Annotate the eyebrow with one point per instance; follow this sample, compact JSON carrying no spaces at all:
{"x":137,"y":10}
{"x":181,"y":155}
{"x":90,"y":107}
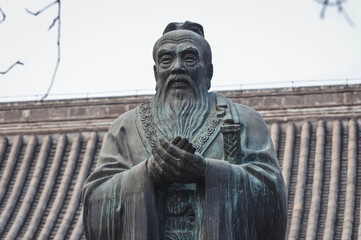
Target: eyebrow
{"x":190,"y":50}
{"x":163,"y":52}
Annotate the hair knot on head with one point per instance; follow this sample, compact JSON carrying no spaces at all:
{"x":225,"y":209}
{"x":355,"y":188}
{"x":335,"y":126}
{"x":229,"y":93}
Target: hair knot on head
{"x":187,"y":25}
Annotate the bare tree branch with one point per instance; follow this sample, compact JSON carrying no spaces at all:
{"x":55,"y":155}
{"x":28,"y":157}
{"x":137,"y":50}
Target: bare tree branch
{"x":42,"y":10}
{"x":3,"y":16}
{"x":324,"y":7}
{"x":344,"y":13}
{"x":335,"y":3}
{"x":13,"y":65}
{"x":2,"y":19}
{"x":57,"y":20}
{"x":53,"y":23}
{"x":331,"y":4}
{"x":57,"y":61}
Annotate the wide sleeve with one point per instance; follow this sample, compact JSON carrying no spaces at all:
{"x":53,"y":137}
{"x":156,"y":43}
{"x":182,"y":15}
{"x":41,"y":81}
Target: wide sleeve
{"x":246,"y":201}
{"x":118,"y":197}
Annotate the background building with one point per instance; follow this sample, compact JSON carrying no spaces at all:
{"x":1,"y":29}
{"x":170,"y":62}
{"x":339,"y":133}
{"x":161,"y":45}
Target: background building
{"x":47,"y":150}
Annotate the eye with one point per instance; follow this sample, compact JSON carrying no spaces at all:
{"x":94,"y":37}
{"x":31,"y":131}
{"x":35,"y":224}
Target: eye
{"x":166,"y":60}
{"x":190,"y":59}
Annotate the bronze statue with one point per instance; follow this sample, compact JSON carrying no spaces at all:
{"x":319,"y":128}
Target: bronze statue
{"x":187,"y":164}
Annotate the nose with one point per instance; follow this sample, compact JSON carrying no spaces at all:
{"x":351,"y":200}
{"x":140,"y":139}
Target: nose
{"x":178,"y":67}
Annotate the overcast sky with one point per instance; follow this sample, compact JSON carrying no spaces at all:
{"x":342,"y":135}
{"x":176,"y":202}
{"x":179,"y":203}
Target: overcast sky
{"x":106,"y":46}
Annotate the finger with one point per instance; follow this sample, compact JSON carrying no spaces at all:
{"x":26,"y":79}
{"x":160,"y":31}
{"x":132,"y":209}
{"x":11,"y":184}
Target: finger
{"x":159,"y":148}
{"x":155,"y":170}
{"x":181,"y":159}
{"x":154,"y":166}
{"x":163,"y":168}
{"x":176,"y":140}
{"x":182,"y":172}
{"x":166,"y":156}
{"x":176,"y":152}
{"x":156,"y":144}
{"x":178,"y":158}
{"x":189,"y":148}
{"x":160,"y":161}
{"x":182,"y":143}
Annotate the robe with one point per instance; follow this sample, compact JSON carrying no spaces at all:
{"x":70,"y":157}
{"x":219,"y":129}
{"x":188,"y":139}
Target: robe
{"x":244,"y":200}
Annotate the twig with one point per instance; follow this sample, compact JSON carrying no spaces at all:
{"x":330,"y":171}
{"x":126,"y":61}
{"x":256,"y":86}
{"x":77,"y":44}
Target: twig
{"x":3,"y":16}
{"x":53,"y":23}
{"x":57,"y":19}
{"x":42,"y":10}
{"x":329,"y":3}
{"x":345,"y":14}
{"x":324,"y":7}
{"x":340,"y":9}
{"x":13,"y":65}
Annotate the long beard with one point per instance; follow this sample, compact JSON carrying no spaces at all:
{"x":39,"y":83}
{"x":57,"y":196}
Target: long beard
{"x":182,"y":117}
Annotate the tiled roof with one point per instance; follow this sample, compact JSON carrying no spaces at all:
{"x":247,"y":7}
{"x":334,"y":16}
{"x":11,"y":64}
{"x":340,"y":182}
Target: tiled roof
{"x":41,"y":181}
{"x":41,"y":173}
{"x":319,"y":165}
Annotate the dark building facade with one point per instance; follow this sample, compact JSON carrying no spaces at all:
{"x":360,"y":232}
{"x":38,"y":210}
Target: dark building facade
{"x":47,"y":149}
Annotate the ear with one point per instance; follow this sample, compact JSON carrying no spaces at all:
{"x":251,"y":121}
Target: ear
{"x":210,"y":71}
{"x":209,"y":75}
{"x":155,"y":73}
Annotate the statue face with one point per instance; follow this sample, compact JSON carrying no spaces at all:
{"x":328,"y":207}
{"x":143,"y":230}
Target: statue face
{"x":180,"y":68}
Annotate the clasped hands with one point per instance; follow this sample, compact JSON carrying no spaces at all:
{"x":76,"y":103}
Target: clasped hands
{"x":175,"y":162}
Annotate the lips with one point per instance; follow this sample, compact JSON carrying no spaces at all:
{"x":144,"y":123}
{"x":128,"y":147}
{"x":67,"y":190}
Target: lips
{"x":179,"y":84}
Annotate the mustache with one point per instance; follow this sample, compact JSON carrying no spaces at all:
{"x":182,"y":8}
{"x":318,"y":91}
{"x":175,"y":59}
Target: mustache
{"x":179,"y":78}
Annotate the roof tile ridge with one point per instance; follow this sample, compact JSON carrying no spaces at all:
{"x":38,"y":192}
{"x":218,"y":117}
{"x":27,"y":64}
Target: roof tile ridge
{"x":45,"y":195}
{"x":10,"y":165}
{"x":63,"y":188}
{"x":298,"y":204}
{"x":288,"y":154}
{"x":19,"y":183}
{"x":75,"y":197}
{"x":275,"y":135}
{"x":3,"y":146}
{"x":311,"y":231}
{"x":33,"y":187}
{"x":334,"y":181}
{"x":78,"y":229}
{"x":351,"y":181}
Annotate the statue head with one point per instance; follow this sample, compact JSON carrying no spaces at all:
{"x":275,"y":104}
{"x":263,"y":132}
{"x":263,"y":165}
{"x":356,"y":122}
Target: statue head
{"x":183,"y":71}
{"x":183,"y":62}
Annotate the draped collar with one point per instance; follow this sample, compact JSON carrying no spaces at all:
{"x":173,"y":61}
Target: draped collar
{"x":150,"y":134}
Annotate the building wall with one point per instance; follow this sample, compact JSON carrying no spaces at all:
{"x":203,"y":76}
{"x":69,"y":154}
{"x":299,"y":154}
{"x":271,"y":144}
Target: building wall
{"x":280,"y":105}
{"x":47,"y":149}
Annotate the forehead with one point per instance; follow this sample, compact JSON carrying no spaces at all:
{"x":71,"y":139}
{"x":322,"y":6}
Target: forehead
{"x":178,"y":46}
{"x":181,"y":38}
